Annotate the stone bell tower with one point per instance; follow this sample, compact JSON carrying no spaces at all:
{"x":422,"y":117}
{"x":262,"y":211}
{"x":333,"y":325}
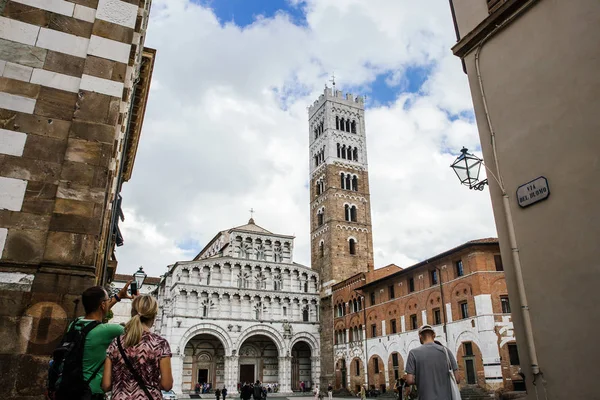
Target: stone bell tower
{"x":340,"y":210}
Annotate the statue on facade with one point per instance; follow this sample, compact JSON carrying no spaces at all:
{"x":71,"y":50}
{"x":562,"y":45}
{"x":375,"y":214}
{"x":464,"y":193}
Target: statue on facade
{"x":287,"y":329}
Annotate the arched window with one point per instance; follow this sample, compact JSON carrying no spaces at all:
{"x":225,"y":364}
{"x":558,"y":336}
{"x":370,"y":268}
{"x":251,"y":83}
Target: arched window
{"x":318,"y":188}
{"x":342,"y":181}
{"x":344,"y":152}
{"x":357,"y":363}
{"x":337,"y":122}
{"x":353,"y":214}
{"x":353,"y":127}
{"x":354,"y":309}
{"x":348,"y":182}
{"x":347,"y":125}
{"x":355,"y":183}
{"x":352,"y":246}
{"x":342,"y":124}
{"x":359,"y":304}
{"x":305,"y":314}
{"x":322,"y":127}
{"x":320,"y":217}
{"x":316,"y":133}
{"x":347,"y":212}
{"x":355,"y":154}
{"x":316,"y":161}
{"x":339,"y":150}
{"x":321,"y":249}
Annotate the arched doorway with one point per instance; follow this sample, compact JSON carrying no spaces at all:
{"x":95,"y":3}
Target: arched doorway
{"x":259,"y":360}
{"x":301,"y":365}
{"x":377,"y":373}
{"x":395,"y":368}
{"x":470,"y":364}
{"x":203,"y":362}
{"x":341,"y":378}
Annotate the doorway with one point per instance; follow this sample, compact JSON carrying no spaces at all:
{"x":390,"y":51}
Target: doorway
{"x":470,"y":367}
{"x":202,"y":376}
{"x":247,"y":373}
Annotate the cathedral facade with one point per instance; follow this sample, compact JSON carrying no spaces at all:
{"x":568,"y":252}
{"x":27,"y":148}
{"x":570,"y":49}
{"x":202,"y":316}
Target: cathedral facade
{"x":242,"y":311}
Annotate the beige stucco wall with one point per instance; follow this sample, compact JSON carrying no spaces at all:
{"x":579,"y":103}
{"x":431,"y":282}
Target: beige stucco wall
{"x":542,"y":82}
{"x":469,"y":13}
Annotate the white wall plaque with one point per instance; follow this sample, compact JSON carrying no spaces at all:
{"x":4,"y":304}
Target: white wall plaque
{"x":532,"y":192}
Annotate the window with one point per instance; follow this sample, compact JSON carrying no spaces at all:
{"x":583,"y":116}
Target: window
{"x":394,"y":359}
{"x":284,"y":311}
{"x":391,"y":291}
{"x":305,"y":314}
{"x":373,"y":330}
{"x":352,"y":246}
{"x":393,"y":326}
{"x":498,"y":262}
{"x":306,"y":287}
{"x":434,"y":277}
{"x":513,"y":354}
{"x":357,"y":364}
{"x":468,"y":348}
{"x":320,"y":217}
{"x":437,"y":316}
{"x":347,"y":125}
{"x":411,"y":285}
{"x":464,"y":309}
{"x":355,"y":154}
{"x":339,"y":150}
{"x":342,"y":124}
{"x":353,"y":214}
{"x":413,"y":322}
{"x":376,"y":365}
{"x":321,"y":249}
{"x":355,"y":183}
{"x":505,"y":304}
{"x":459,"y":268}
{"x":353,"y":127}
{"x":372,"y":298}
{"x":347,"y":212}
{"x":337,"y":122}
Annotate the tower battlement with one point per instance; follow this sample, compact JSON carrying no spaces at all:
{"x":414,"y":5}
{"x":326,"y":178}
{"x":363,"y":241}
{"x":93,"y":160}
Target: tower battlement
{"x":337,"y":96}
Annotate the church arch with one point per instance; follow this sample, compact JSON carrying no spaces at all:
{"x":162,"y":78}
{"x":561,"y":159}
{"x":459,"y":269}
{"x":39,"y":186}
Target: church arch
{"x":210,"y":329}
{"x":261,"y":329}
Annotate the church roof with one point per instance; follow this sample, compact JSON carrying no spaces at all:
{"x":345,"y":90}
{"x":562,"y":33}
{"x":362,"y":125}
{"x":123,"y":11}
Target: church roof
{"x":251,"y":227}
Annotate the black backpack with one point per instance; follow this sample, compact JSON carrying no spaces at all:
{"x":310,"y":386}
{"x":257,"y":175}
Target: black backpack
{"x":65,"y":374}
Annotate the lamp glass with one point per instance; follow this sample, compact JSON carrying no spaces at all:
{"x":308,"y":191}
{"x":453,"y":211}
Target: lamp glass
{"x":140,"y":277}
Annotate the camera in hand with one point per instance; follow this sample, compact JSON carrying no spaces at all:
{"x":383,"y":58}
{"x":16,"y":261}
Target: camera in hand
{"x":133,"y":289}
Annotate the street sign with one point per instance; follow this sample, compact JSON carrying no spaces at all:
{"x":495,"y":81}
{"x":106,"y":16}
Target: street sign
{"x":532,"y":192}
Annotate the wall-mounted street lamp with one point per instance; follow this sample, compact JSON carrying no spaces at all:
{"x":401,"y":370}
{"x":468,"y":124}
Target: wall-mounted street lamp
{"x":467,"y":167}
{"x":140,"y":277}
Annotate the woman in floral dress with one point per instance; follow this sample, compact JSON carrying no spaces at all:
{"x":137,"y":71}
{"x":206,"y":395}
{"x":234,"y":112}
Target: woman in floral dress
{"x":148,"y":354}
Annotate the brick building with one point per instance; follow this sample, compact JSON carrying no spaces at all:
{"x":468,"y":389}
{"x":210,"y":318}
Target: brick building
{"x":74,"y":81}
{"x":387,"y":306}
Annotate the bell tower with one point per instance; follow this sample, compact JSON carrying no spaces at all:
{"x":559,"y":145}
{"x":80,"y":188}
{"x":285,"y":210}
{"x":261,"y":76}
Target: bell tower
{"x":340,"y":210}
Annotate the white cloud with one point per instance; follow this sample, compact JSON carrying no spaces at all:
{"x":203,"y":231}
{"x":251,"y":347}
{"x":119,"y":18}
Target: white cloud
{"x":226,"y":129}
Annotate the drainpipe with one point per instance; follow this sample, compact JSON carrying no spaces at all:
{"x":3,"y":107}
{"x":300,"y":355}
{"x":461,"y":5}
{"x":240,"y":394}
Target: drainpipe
{"x":535,"y":369}
{"x":443,"y":304}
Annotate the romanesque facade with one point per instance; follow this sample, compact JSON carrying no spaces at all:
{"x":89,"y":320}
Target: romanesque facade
{"x":461,"y":292}
{"x":242,"y":311}
{"x":340,"y":209}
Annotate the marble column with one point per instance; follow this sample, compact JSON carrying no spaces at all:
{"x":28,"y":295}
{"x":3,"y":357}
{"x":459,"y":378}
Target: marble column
{"x":285,"y":374}
{"x":315,"y":372}
{"x":231,"y":375}
{"x":177,"y":370}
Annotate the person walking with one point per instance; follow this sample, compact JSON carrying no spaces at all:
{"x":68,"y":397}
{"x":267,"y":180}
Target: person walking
{"x":330,"y":391}
{"x":218,"y":394}
{"x":317,"y":392}
{"x":224,"y":392}
{"x":257,"y":391}
{"x":427,"y":367}
{"x":138,"y":363}
{"x":363,"y":393}
{"x":302,"y":386}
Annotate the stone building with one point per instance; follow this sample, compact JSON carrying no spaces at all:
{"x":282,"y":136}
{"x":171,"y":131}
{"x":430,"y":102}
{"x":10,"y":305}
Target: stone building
{"x":377,"y":315}
{"x":74,"y":80}
{"x":242,"y":311}
{"x":533,"y":68}
{"x":340,"y":210}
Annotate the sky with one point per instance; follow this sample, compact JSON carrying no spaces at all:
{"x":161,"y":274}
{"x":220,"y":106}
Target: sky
{"x":226,"y":125}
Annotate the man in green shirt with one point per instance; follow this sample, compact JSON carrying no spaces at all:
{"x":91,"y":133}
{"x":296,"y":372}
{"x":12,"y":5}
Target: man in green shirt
{"x":97,"y":303}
